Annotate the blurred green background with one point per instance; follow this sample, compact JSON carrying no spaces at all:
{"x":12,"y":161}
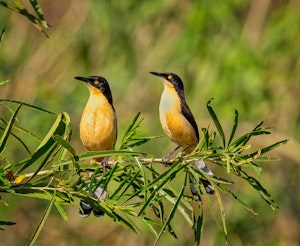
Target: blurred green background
{"x":245,"y":54}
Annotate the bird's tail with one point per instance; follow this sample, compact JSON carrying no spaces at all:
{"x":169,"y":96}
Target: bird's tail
{"x":86,"y":208}
{"x":200,"y":164}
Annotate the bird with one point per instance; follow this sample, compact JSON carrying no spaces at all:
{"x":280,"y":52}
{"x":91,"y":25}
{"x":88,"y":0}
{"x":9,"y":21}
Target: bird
{"x":98,"y":130}
{"x":178,"y":121}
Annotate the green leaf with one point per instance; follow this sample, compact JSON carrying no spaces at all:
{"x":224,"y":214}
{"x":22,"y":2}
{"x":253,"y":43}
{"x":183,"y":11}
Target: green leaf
{"x":159,"y":183}
{"x":243,"y":140}
{"x":43,"y":163}
{"x":235,"y":124}
{"x":202,"y":174}
{"x":132,"y":125}
{"x":59,"y":139}
{"x":116,"y":217}
{"x":148,"y":222}
{"x":170,"y":195}
{"x":174,"y":209}
{"x":7,"y":130}
{"x":175,"y":168}
{"x":203,"y":142}
{"x":94,"y":154}
{"x":267,"y":149}
{"x":236,"y":198}
{"x":27,"y":105}
{"x":38,"y":230}
{"x":130,"y":131}
{"x":180,"y":208}
{"x":127,"y":185}
{"x":144,"y":178}
{"x":42,"y":192}
{"x":58,"y":128}
{"x":216,"y":122}
{"x":61,"y":211}
{"x":20,"y":9}
{"x":211,"y":208}
{"x":39,"y":12}
{"x":260,"y":189}
{"x":49,"y":137}
{"x":198,"y":224}
{"x":222,"y":212}
{"x":17,"y":138}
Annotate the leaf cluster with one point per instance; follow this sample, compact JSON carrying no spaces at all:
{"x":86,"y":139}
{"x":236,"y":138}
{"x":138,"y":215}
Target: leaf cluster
{"x":36,"y":19}
{"x":141,"y":190}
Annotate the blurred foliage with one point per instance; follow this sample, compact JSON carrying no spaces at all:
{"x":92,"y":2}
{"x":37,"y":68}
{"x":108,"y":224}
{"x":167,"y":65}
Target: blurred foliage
{"x":243,"y":53}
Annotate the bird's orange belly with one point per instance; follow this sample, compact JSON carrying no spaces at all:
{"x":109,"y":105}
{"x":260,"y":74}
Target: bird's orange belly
{"x":98,"y":128}
{"x":178,"y":129}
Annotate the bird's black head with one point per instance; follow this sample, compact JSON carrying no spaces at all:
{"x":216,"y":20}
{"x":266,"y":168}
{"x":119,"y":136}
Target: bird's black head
{"x":99,"y":83}
{"x":172,"y":78}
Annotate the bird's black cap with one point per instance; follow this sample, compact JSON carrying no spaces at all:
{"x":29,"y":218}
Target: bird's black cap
{"x":174,"y":79}
{"x":99,"y":83}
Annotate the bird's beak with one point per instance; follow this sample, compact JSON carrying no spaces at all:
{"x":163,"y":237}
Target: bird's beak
{"x":157,"y":74}
{"x":163,"y":76}
{"x":85,"y":79}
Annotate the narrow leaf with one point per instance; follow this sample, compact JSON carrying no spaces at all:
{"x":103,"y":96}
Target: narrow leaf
{"x":127,"y":186}
{"x":20,"y":141}
{"x":58,"y":127}
{"x":216,"y":121}
{"x":42,"y":193}
{"x":222,"y":212}
{"x":148,"y":223}
{"x":43,"y":163}
{"x":267,"y":149}
{"x":211,"y":208}
{"x":39,"y":12}
{"x":66,"y":145}
{"x":8,"y":128}
{"x":174,"y":209}
{"x":265,"y":195}
{"x":38,"y":230}
{"x":243,"y":140}
{"x":159,"y":183}
{"x":198,"y":224}
{"x":236,"y":198}
{"x":61,"y":211}
{"x":235,"y":124}
{"x":27,"y":105}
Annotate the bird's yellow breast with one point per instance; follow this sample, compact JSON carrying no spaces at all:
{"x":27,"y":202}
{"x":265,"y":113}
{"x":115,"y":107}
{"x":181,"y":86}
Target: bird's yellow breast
{"x":175,"y":125}
{"x":98,"y":125}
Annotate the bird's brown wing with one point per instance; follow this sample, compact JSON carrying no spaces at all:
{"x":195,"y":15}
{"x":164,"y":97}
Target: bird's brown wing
{"x":189,"y":116}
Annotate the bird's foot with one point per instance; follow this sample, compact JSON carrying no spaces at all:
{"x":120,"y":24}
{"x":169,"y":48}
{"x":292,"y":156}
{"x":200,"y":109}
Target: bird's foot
{"x":185,"y":148}
{"x":166,"y":160}
{"x":104,"y":164}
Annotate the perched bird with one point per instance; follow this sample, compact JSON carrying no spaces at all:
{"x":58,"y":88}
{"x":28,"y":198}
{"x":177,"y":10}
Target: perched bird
{"x":98,"y":129}
{"x":177,"y":119}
